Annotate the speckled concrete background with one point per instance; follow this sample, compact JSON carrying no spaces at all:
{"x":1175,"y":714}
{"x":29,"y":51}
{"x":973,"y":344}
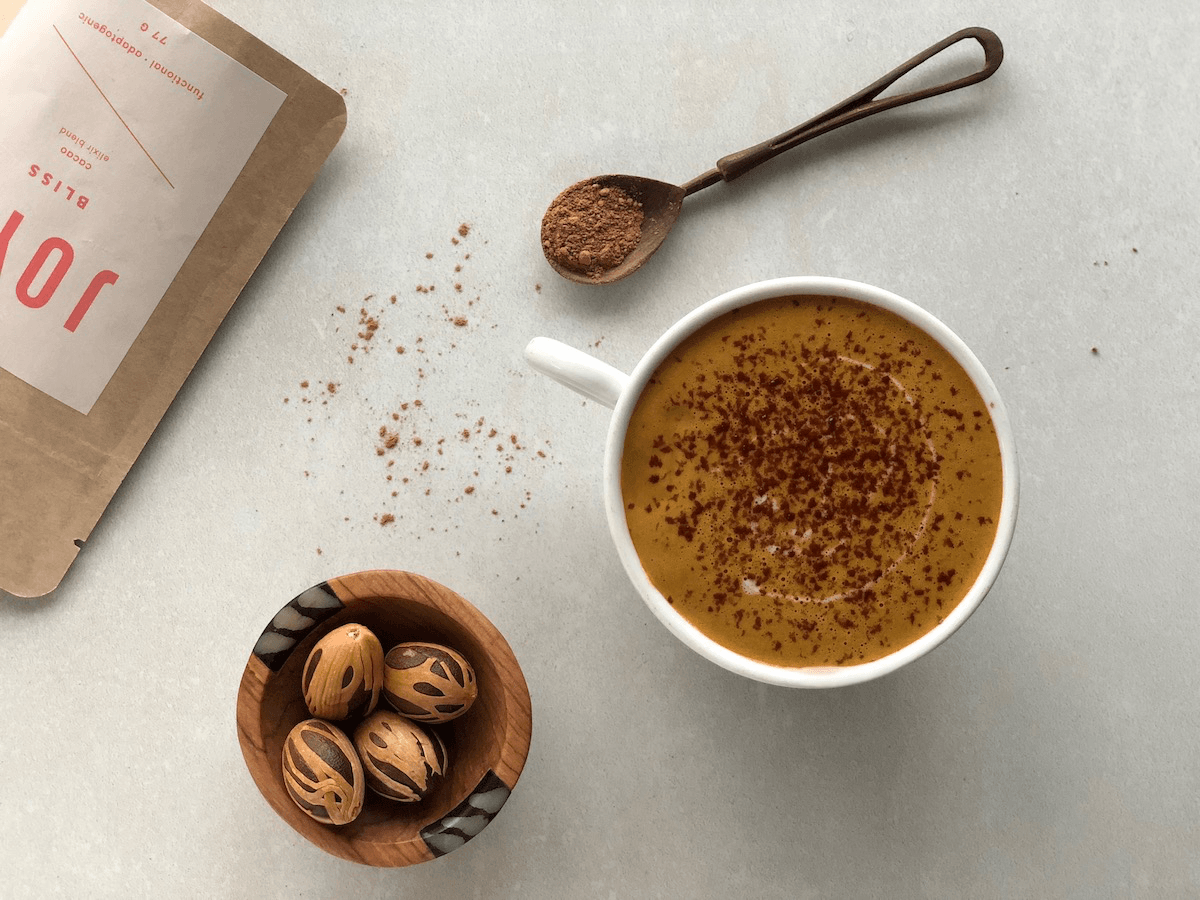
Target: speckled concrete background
{"x":1047,"y":215}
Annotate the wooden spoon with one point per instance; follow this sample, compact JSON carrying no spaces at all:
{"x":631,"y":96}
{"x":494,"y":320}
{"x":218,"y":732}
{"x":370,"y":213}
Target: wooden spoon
{"x":661,"y":202}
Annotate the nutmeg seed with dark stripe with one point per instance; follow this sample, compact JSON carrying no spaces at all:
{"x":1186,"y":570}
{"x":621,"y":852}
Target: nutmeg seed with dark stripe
{"x":322,"y":772}
{"x":343,"y":674}
{"x":428,"y":682}
{"x":401,"y":760}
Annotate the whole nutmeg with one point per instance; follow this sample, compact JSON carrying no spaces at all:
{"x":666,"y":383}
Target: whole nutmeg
{"x":322,"y":772}
{"x":401,"y":760}
{"x":428,"y":682}
{"x":343,"y":673}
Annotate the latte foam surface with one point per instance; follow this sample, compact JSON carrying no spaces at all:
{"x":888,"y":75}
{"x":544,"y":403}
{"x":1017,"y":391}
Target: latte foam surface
{"x":812,"y":481}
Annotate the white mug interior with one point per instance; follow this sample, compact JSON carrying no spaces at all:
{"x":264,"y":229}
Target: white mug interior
{"x":608,"y":385}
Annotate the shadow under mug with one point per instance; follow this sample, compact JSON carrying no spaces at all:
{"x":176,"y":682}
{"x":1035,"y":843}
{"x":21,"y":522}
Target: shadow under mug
{"x":605,"y":384}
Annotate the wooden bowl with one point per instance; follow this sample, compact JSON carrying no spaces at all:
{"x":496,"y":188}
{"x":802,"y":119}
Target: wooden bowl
{"x":487,"y":746}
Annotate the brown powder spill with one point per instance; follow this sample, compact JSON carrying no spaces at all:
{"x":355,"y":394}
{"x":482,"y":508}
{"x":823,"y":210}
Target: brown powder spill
{"x":417,"y":442}
{"x":590,"y":228}
{"x":370,"y":325}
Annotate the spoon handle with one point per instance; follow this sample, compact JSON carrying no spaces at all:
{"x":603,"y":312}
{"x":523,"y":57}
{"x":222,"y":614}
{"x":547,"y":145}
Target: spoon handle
{"x":856,"y":107}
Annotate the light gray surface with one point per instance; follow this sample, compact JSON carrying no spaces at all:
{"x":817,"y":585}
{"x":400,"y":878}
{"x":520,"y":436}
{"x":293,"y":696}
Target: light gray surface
{"x":1049,"y":750}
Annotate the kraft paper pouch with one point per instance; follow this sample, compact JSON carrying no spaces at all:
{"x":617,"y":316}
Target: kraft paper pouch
{"x":151,"y":153}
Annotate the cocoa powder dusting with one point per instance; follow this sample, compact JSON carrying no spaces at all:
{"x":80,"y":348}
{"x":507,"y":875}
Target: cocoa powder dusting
{"x":591,"y":228}
{"x":412,"y":445}
{"x":811,"y":481}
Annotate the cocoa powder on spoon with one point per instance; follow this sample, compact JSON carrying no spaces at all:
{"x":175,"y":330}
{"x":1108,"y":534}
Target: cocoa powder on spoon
{"x":590,"y":228}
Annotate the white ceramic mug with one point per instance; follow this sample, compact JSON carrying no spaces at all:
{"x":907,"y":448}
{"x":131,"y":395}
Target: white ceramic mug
{"x":608,"y":385}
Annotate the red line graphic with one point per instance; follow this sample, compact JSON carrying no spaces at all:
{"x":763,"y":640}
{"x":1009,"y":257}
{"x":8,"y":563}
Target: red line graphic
{"x":110,"y":106}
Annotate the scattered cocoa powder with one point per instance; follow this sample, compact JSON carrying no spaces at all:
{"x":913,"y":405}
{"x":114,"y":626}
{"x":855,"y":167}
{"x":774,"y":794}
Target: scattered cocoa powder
{"x":409,"y":435}
{"x":591,"y":228}
{"x":370,"y":325}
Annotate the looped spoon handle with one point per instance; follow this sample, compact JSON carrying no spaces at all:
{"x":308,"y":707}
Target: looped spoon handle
{"x":859,"y":106}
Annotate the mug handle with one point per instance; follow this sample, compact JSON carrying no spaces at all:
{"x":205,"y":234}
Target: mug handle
{"x":577,"y":370}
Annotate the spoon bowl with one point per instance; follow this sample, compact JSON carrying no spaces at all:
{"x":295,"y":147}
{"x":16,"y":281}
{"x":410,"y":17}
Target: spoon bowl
{"x":661,"y":203}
